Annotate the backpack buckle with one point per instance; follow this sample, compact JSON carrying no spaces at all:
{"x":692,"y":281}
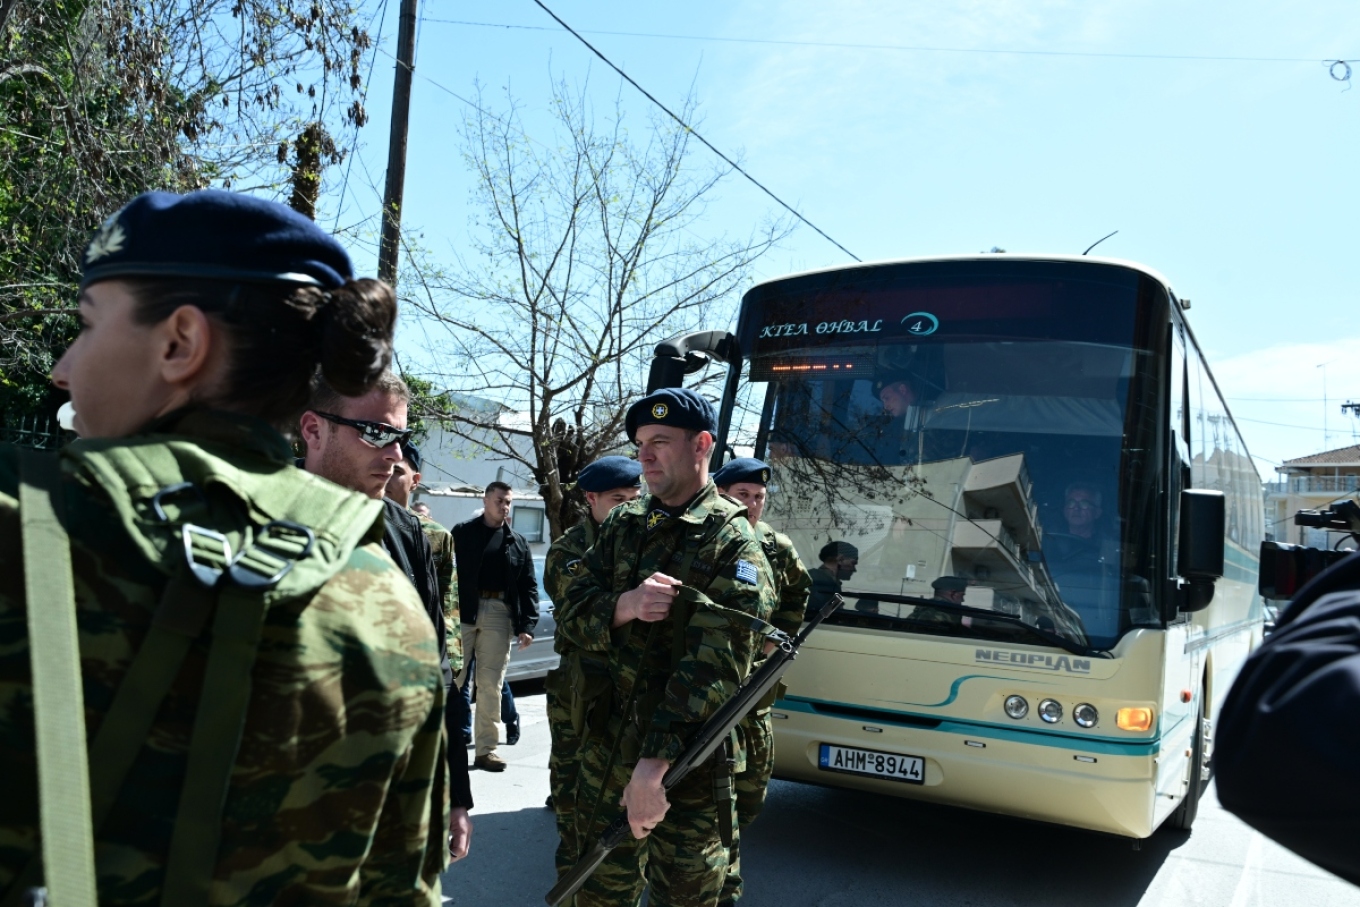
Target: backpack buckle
{"x":277,"y":547}
{"x":216,"y":542}
{"x":174,"y":491}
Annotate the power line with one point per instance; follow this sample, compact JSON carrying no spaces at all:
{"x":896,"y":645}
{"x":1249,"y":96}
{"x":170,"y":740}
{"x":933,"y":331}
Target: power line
{"x":915,"y":48}
{"x":354,"y":146}
{"x":1279,"y":399}
{"x":689,"y":129}
{"x":1278,"y":424}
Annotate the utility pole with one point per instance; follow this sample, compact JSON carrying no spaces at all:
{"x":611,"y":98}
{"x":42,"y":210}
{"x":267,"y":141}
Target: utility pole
{"x":390,"y":244}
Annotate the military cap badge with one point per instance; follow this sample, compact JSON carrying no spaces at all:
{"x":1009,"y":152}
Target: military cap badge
{"x":110,"y":238}
{"x":659,"y":411}
{"x":765,"y":475}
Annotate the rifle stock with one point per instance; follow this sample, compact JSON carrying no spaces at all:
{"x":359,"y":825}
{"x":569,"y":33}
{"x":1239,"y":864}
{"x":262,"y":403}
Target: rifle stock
{"x":702,"y":745}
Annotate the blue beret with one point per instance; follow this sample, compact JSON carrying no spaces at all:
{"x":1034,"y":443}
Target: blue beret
{"x":678,"y":407}
{"x":411,"y":454}
{"x":216,"y":235}
{"x":743,"y":469}
{"x":608,"y":473}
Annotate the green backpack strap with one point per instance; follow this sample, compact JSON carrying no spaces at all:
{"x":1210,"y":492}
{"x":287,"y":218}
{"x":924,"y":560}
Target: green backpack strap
{"x":218,"y":726}
{"x":58,"y":697}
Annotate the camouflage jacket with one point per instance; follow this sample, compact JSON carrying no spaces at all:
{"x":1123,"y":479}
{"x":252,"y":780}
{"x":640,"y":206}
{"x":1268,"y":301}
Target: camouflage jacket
{"x":339,"y":790}
{"x":792,"y":581}
{"x":725,"y":563}
{"x":446,"y":572}
{"x":564,"y":563}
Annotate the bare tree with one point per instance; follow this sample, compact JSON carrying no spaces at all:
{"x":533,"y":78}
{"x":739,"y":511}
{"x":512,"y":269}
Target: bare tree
{"x":587,"y":251}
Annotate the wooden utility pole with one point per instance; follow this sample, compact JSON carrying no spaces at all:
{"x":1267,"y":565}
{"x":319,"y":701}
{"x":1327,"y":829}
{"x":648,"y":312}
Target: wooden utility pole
{"x":390,"y":244}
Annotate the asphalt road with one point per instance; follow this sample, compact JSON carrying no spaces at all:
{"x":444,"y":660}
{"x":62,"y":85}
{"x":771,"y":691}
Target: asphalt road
{"x":825,"y":847}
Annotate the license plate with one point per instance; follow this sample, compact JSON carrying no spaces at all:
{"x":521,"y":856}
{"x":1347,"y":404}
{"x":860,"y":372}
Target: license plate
{"x":893,"y":766}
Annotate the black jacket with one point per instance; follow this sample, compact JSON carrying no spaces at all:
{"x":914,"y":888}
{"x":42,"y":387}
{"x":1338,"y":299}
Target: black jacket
{"x":406,"y":543}
{"x":1285,"y":756}
{"x":521,"y":589}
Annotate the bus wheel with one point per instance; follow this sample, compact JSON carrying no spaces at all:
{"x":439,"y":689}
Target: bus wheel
{"x":1184,"y":816}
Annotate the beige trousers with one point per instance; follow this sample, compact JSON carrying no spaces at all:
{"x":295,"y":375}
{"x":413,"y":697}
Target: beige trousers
{"x":489,"y":640}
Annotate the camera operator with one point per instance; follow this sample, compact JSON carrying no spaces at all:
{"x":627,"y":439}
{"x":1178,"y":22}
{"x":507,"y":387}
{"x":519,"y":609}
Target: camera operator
{"x":1285,"y":757}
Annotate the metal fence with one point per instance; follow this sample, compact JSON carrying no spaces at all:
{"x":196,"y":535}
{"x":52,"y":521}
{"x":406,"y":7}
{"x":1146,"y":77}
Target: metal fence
{"x":33,"y":431}
{"x":1315,"y":485}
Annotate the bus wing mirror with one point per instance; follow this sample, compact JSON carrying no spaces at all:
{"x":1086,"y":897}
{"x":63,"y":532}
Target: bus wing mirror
{"x":1200,"y":560}
{"x":685,"y":354}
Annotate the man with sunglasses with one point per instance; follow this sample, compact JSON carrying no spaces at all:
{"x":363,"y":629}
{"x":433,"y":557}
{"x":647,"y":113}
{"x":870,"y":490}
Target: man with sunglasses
{"x":357,"y":442}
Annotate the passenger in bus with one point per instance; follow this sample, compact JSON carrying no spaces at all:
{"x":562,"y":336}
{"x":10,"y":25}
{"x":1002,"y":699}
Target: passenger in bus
{"x":1084,"y":560}
{"x":950,"y":590}
{"x":839,"y":560}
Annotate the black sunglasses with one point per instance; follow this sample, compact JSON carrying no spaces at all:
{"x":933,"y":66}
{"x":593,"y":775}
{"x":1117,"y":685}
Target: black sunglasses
{"x":378,"y":434}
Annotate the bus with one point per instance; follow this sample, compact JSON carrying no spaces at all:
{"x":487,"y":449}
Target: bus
{"x":1021,"y":477}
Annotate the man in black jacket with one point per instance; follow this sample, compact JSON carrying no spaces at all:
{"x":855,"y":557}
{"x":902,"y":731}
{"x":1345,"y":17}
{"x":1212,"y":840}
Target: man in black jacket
{"x":355,"y":442}
{"x":498,"y":599}
{"x":1287,"y":737}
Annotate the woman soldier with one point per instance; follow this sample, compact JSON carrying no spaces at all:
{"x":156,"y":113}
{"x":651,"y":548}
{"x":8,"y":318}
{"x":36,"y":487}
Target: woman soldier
{"x":261,"y":692}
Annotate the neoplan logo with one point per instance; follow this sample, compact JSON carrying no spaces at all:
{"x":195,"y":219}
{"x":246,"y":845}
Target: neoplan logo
{"x":1035,"y":660}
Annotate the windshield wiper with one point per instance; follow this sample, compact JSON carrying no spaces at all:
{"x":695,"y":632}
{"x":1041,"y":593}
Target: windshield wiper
{"x":1051,"y":638}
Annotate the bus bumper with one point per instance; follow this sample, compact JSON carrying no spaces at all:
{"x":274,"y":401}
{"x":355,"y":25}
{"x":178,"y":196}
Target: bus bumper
{"x":1106,"y":788}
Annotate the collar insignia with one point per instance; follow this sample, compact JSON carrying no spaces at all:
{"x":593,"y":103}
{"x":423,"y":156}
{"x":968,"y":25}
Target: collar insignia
{"x":656,"y":518}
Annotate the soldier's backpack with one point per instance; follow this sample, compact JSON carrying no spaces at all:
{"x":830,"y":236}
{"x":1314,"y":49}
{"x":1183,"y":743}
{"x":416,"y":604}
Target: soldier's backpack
{"x":231,"y":542}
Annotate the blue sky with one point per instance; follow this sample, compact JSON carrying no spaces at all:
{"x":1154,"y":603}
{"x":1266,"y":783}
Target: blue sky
{"x":1034,"y":126}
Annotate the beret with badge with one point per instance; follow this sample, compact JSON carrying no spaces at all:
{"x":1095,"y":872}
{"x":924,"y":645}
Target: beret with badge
{"x":608,"y":473}
{"x":678,"y":407}
{"x":216,"y":235}
{"x":743,"y":470}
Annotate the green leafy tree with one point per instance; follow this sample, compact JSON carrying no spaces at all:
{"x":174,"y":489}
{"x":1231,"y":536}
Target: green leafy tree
{"x":102,"y":100}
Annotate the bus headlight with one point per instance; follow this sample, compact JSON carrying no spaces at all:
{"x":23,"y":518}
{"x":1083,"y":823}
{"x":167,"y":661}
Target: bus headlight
{"x":1133,"y":719}
{"x":1085,"y":715}
{"x":1051,"y":711}
{"x":1016,"y":707}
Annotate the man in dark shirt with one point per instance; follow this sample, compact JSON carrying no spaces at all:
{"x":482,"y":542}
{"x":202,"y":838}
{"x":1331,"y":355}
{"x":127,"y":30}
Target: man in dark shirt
{"x":342,"y":435}
{"x":498,"y":598}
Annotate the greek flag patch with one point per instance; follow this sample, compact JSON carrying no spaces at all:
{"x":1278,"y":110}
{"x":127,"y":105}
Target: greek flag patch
{"x":746,"y":572}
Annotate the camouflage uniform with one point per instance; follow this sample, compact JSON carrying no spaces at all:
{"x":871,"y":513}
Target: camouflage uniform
{"x":562,"y":565}
{"x":338,"y":794}
{"x":673,"y":685}
{"x":446,"y":572}
{"x":793,"y":584}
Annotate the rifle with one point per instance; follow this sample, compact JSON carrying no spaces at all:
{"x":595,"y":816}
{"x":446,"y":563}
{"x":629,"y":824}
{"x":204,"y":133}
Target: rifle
{"x":702,"y":745}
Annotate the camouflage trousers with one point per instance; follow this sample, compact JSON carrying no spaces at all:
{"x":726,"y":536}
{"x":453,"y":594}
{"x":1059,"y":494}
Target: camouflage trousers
{"x":684,"y":859}
{"x":562,"y":766}
{"x":749,"y":786}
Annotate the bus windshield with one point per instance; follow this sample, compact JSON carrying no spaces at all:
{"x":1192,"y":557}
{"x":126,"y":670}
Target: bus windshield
{"x":974,"y":436}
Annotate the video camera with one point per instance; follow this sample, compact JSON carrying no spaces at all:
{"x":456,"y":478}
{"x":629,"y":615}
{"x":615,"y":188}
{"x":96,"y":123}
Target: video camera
{"x":1286,"y":568}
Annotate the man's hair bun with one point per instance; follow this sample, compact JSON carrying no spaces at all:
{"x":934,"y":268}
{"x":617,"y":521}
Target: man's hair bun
{"x":356,"y":325}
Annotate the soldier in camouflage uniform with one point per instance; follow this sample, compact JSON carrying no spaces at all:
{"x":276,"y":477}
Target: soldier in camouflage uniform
{"x":405,"y":478}
{"x":661,"y":593}
{"x":745,"y":480}
{"x":203,"y":318}
{"x":606,"y":483}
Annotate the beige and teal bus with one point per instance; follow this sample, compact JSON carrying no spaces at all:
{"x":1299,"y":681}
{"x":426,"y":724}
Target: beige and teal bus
{"x":1021,"y":477}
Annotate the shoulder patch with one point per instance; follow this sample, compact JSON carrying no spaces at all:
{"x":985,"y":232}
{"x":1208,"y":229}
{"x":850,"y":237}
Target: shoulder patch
{"x":747,"y":573}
